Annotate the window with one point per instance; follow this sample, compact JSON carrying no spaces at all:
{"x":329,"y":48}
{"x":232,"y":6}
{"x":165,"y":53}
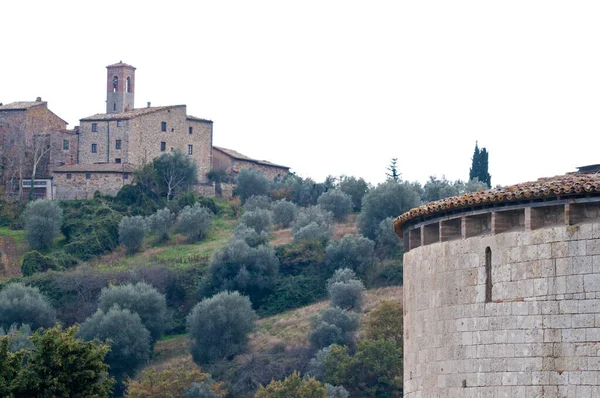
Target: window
{"x":190,"y":149}
{"x":66,"y":145}
{"x":190,"y":130}
{"x":119,"y":123}
{"x":163,"y":146}
{"x":126,"y":176}
{"x":115,"y":84}
{"x":163,"y":126}
{"x":488,"y":275}
{"x":117,"y":160}
{"x":118,"y":144}
{"x":68,"y":176}
{"x":94,"y":148}
{"x":114,"y":106}
{"x":128,"y":84}
{"x":94,"y":127}
{"x":88,"y":176}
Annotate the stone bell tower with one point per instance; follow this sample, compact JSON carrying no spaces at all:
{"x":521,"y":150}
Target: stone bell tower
{"x":120,"y":83}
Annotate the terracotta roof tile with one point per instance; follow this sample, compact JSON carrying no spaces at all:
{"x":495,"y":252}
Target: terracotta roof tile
{"x":128,"y":114}
{"x":239,"y":156}
{"x":198,"y":119}
{"x":563,"y":185}
{"x":21,"y":105}
{"x":120,"y":63}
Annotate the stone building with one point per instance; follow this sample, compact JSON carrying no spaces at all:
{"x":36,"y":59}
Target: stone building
{"x":232,"y":162}
{"x":30,"y":132}
{"x":126,"y":138}
{"x":502,"y":291}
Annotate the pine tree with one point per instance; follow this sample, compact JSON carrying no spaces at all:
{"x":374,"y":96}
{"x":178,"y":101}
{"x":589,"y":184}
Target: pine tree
{"x":393,"y":171}
{"x":479,"y":166}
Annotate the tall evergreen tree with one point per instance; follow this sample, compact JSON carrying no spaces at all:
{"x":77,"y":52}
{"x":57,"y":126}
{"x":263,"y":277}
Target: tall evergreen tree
{"x":393,"y":171}
{"x":479,"y":166}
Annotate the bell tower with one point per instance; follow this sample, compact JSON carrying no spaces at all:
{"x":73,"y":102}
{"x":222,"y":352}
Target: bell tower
{"x":120,"y":83}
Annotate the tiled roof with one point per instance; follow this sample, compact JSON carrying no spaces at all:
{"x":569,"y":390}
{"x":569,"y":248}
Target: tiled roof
{"x":549,"y":187}
{"x":120,"y":63}
{"x":198,"y":119}
{"x":128,"y":114}
{"x":95,"y":167}
{"x":239,"y":156}
{"x":21,"y":105}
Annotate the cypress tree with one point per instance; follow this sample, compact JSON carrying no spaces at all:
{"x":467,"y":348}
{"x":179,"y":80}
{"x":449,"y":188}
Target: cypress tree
{"x":479,"y":166}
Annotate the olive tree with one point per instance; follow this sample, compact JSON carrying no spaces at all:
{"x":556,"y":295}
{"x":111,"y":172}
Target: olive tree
{"x":354,"y":252}
{"x":345,"y":290}
{"x":160,"y":223}
{"x":284,"y":213}
{"x":24,"y":305}
{"x":255,"y":202}
{"x":42,"y":220}
{"x":139,"y":298}
{"x":259,"y":219}
{"x":312,"y":223}
{"x":131,"y":232}
{"x":175,"y":172}
{"x":219,"y":327}
{"x":356,"y":188}
{"x":337,"y":202}
{"x":333,"y":325}
{"x":194,"y":221}
{"x":251,"y":182}
{"x":387,"y":242}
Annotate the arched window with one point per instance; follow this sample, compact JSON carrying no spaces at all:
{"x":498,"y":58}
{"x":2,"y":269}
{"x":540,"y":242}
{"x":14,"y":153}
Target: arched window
{"x":488,"y":275}
{"x":128,"y":85}
{"x":115,"y":84}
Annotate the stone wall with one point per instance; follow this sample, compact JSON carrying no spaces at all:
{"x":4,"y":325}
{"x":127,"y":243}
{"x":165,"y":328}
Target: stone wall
{"x":538,"y":335}
{"x":76,"y":185}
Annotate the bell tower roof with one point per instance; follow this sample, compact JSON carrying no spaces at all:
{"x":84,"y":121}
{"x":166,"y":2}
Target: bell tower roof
{"x":121,"y":64}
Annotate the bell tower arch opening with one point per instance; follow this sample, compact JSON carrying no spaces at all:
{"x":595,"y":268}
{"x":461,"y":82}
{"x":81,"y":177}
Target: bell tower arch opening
{"x":120,"y":87}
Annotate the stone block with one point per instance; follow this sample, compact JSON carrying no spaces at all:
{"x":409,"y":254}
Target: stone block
{"x":592,"y":282}
{"x":560,"y":249}
{"x":592,"y":247}
{"x":582,"y":264}
{"x":577,"y":248}
{"x":563,"y":266}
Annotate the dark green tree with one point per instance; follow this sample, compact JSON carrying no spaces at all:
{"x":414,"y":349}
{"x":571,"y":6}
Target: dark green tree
{"x":392,"y":169}
{"x":175,"y":172}
{"x":479,"y":166}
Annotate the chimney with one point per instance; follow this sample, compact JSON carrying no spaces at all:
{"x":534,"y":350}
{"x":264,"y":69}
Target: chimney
{"x":38,"y":99}
{"x":148,"y":104}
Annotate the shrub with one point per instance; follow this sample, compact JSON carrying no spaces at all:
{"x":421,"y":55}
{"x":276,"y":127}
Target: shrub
{"x":42,"y":219}
{"x":251,"y":182}
{"x":25,"y":305}
{"x":386,"y":322}
{"x":18,"y":337}
{"x":219,"y":327}
{"x":312,"y":232}
{"x":218,"y":176}
{"x":356,"y":188}
{"x":312,"y":214}
{"x":337,"y":202}
{"x":390,"y":274}
{"x":389,"y":199}
{"x":336,"y":391}
{"x":292,"y":386}
{"x":129,"y":340}
{"x":375,"y":369}
{"x":345,"y":291}
{"x":333,"y":325}
{"x":354,"y":252}
{"x":317,"y":364}
{"x":160,"y":223}
{"x":292,"y":292}
{"x":141,"y":299}
{"x":259,"y":219}
{"x":131,"y":233}
{"x":256,"y":202}
{"x":169,"y":383}
{"x":284,"y":213}
{"x":249,"y":235}
{"x":61,"y":365}
{"x":34,"y":262}
{"x":249,"y":270}
{"x":388,"y":243}
{"x":194,"y":221}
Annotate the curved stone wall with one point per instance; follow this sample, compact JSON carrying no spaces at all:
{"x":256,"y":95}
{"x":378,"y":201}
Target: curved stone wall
{"x":528,"y":325}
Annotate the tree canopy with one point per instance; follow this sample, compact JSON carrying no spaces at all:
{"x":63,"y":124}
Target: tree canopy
{"x":479,"y":166}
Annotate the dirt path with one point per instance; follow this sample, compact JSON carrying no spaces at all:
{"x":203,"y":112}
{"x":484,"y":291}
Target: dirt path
{"x":9,"y":258}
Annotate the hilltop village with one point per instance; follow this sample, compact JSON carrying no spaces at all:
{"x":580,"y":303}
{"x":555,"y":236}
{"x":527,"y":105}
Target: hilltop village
{"x":102,"y":152}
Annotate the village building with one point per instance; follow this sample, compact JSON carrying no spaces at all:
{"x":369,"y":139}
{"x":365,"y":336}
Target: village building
{"x":232,"y":162}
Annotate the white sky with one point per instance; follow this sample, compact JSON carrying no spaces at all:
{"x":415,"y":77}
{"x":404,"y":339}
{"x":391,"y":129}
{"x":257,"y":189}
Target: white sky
{"x":334,"y":87}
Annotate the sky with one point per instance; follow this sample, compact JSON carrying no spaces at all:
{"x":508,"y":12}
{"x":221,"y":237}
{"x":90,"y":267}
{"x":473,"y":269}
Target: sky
{"x":334,"y":87}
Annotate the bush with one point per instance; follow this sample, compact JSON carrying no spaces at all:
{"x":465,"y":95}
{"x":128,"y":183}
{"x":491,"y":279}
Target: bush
{"x":312,"y":232}
{"x":333,"y":325}
{"x":375,"y":369}
{"x":259,"y":219}
{"x":336,"y":391}
{"x":389,"y":199}
{"x":312,"y":214}
{"x":249,"y":270}
{"x":129,"y":340}
{"x":356,"y":188}
{"x":292,"y":386}
{"x":219,"y":327}
{"x":387,"y":242}
{"x":169,"y":383}
{"x":34,"y":262}
{"x":390,"y":274}
{"x":292,"y":292}
{"x":18,"y":337}
{"x":160,"y":223}
{"x":284,"y":213}
{"x":317,"y":364}
{"x":249,"y":235}
{"x":256,"y":202}
{"x":141,"y":299}
{"x":42,"y":220}
{"x":131,"y":233}
{"x":337,"y":202}
{"x":251,"y":182}
{"x":25,"y":305}
{"x":194,"y":221}
{"x":386,"y":322}
{"x":345,"y":291}
{"x":354,"y":252}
